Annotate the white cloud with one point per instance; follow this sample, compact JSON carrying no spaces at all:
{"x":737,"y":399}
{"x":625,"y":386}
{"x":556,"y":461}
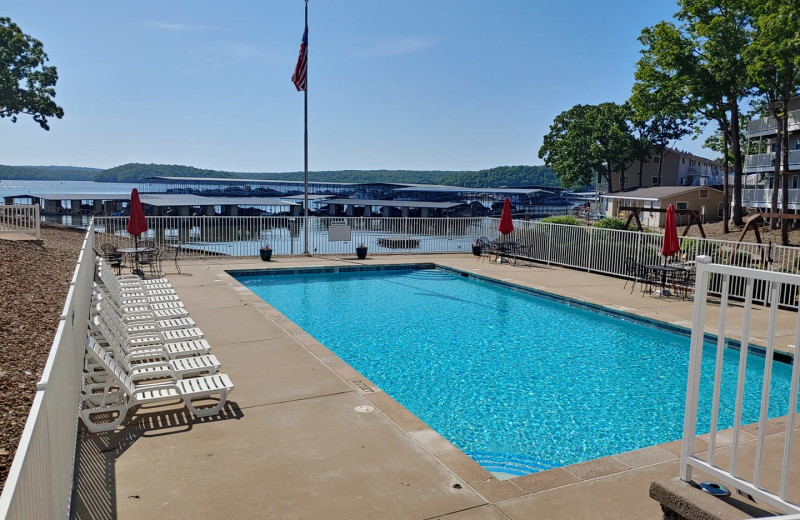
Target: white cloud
{"x":177,"y":27}
{"x":398,"y":46}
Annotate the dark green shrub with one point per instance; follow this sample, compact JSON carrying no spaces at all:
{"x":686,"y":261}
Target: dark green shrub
{"x":564,"y":219}
{"x":613,"y":223}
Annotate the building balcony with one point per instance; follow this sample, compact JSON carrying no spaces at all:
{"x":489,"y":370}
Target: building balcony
{"x":762,"y":198}
{"x":765,"y":162}
{"x":769,"y":125}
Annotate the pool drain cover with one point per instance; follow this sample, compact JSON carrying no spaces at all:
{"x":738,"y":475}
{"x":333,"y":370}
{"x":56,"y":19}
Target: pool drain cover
{"x":364,"y":408}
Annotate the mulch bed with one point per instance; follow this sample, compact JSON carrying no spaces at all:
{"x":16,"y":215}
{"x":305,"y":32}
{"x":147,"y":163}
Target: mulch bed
{"x":34,"y":281}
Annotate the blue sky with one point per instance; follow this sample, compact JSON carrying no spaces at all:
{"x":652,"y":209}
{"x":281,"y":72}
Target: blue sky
{"x":393,"y":84}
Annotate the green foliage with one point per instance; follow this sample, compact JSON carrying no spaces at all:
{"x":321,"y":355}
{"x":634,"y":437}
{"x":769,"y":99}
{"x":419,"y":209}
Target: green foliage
{"x":46,"y":173}
{"x":613,"y":223}
{"x":492,"y":178}
{"x":587,"y":141}
{"x":563,"y":219}
{"x":700,"y":64}
{"x":27,"y":86}
{"x":503,"y":176}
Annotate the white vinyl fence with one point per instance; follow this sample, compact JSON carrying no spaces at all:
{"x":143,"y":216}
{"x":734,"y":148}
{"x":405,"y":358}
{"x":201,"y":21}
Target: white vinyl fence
{"x":39,"y":483}
{"x":593,"y":249}
{"x":756,"y":483}
{"x":20,"y":219}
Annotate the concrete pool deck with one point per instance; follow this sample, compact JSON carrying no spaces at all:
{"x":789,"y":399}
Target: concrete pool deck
{"x":305,"y":436}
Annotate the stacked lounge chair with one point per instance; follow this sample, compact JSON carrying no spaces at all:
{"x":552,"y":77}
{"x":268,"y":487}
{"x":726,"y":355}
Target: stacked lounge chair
{"x":142,"y":347}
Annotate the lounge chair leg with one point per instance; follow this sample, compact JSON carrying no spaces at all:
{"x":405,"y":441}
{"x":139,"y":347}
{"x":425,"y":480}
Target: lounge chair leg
{"x":103,"y":426}
{"x":205,"y":412}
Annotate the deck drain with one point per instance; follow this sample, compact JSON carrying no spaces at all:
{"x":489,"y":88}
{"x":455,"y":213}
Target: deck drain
{"x":364,"y":408}
{"x":712,"y":488}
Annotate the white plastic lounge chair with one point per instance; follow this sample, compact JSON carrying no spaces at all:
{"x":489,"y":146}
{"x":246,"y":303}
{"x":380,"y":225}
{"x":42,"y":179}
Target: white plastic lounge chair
{"x":100,"y":292}
{"x":154,"y":364}
{"x":144,"y":321}
{"x":143,"y":344}
{"x":114,"y":283}
{"x":130,"y":278}
{"x":118,"y":393}
{"x":132,"y":311}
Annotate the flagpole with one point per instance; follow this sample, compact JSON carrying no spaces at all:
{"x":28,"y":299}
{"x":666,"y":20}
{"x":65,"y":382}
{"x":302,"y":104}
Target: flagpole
{"x":305,"y":142}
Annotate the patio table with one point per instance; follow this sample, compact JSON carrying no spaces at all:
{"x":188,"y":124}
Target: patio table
{"x":661,"y":271}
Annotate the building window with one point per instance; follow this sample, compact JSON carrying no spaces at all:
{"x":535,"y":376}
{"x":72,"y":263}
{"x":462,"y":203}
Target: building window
{"x":657,"y":159}
{"x":773,"y":147}
{"x":683,"y":160}
{"x":703,"y":194}
{"x":721,"y":210}
{"x":654,"y":181}
{"x":794,"y":182}
{"x":623,"y":179}
{"x":692,"y":163}
{"x":681,"y":205}
{"x":797,"y":144}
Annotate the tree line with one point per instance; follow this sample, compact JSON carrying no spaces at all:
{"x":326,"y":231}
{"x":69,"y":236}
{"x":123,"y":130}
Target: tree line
{"x":501,"y":176}
{"x":700,"y":68}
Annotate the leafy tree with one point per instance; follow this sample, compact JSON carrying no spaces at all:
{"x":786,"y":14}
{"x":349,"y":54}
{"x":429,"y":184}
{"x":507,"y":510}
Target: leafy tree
{"x":589,"y":140}
{"x":773,"y":64}
{"x":27,"y":86}
{"x":701,"y":64}
{"x":659,"y":113}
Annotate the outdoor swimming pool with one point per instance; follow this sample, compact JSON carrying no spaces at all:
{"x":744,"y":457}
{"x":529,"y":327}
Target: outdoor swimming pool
{"x":519,"y":382}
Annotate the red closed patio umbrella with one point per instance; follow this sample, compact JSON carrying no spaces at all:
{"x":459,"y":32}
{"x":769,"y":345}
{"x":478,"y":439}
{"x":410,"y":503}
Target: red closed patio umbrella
{"x":137,"y":224}
{"x":671,"y":245}
{"x":506,"y":225}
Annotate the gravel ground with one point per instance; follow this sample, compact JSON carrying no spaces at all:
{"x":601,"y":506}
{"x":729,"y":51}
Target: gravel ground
{"x":34,"y":280}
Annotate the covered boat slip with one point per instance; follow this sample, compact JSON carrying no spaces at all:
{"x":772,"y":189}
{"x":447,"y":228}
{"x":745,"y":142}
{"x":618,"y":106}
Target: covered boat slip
{"x":156,"y":204}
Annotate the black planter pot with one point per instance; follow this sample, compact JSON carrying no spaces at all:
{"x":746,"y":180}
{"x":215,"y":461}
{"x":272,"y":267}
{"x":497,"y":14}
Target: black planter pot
{"x":361,"y":252}
{"x":476,"y":250}
{"x":266,"y":254}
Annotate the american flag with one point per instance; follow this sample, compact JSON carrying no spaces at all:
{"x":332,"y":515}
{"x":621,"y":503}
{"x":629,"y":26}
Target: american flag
{"x":299,"y":76}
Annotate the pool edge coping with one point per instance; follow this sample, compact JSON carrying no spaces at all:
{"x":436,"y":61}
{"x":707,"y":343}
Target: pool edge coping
{"x":459,"y":463}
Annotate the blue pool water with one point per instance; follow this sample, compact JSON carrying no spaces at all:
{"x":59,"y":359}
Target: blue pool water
{"x":519,"y":382}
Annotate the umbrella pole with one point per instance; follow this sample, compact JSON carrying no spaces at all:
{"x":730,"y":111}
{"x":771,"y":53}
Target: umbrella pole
{"x":136,"y":269}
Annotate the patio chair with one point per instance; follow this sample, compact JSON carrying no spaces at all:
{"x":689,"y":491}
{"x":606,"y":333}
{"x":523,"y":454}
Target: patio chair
{"x":683,"y":281}
{"x":118,"y":393}
{"x":110,"y":255}
{"x":150,"y":259}
{"x":171,"y":255}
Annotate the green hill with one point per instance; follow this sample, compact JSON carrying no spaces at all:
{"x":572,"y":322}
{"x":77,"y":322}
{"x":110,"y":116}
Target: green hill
{"x":502,"y":176}
{"x":47,"y":173}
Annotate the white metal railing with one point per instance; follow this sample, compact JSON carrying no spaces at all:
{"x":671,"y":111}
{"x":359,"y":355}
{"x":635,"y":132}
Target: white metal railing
{"x":769,"y":125}
{"x":764,"y":162}
{"x":588,"y":248}
{"x":773,"y":284}
{"x":39,"y":483}
{"x":763,"y":197}
{"x":20,"y":219}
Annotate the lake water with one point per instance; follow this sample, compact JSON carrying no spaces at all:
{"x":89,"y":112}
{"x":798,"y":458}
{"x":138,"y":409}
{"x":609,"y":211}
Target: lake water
{"x":23,"y":187}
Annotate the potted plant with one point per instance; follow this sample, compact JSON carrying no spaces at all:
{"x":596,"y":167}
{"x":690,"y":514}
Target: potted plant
{"x":265,"y":251}
{"x":361,"y":251}
{"x":476,"y":248}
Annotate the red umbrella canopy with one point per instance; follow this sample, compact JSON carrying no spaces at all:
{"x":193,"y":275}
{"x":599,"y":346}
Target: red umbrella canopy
{"x":136,"y":223}
{"x":506,"y":225}
{"x":671,"y":245}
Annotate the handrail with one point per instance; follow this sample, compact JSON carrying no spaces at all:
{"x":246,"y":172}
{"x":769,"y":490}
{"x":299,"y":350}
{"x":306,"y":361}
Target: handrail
{"x":775,"y":283}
